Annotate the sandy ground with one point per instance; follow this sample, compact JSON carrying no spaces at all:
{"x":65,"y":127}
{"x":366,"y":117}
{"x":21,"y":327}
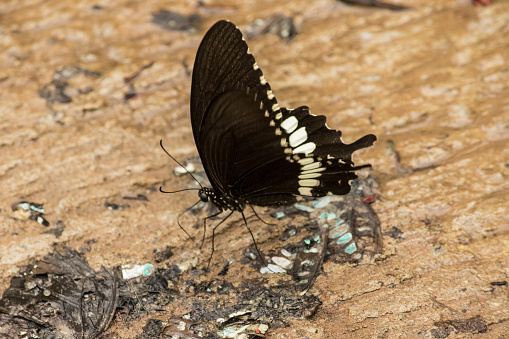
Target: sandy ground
{"x":433,"y":79}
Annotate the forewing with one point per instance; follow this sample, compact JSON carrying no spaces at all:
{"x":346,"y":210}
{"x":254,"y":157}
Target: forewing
{"x":223,"y":62}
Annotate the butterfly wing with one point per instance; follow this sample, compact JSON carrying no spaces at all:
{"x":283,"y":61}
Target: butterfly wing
{"x":315,"y":161}
{"x":251,"y":149}
{"x":224,"y":64}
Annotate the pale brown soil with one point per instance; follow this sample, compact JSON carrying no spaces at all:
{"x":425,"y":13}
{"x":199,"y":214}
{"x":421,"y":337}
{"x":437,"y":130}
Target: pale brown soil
{"x":434,"y":79}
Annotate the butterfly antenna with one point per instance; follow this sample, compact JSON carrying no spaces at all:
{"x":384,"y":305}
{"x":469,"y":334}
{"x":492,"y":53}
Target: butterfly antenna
{"x":181,"y":214}
{"x":266,"y":223}
{"x":185,"y":189}
{"x":165,"y":151}
{"x":213,"y":235}
{"x":254,"y":241}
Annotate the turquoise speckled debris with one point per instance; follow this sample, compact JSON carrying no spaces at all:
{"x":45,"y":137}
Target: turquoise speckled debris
{"x":322,"y":202}
{"x":328,"y":216}
{"x":339,"y":221}
{"x":280,"y":215}
{"x":339,"y":231}
{"x":304,"y":208}
{"x":351,"y":248}
{"x":344,"y":239}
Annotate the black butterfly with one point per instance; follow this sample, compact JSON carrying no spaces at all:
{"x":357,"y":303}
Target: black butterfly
{"x":253,"y":151}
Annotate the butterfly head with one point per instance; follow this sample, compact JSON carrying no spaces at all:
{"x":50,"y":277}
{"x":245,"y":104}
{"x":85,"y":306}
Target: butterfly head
{"x":203,"y":195}
{"x":207,"y":194}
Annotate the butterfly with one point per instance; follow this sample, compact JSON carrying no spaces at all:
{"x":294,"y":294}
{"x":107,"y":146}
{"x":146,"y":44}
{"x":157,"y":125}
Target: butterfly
{"x":253,"y":151}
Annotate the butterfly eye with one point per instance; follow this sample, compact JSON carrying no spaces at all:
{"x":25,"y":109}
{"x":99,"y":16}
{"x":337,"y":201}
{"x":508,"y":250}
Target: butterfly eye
{"x":203,"y":196}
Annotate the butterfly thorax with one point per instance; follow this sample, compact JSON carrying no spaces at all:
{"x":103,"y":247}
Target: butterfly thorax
{"x":221,"y":201}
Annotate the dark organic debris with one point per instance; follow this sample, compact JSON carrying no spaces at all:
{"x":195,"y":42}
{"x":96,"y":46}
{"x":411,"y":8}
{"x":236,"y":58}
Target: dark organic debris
{"x":172,"y":21}
{"x":357,"y":221}
{"x":140,"y":197}
{"x":59,"y":297}
{"x":375,"y":3}
{"x":161,"y":255}
{"x":394,"y":233}
{"x":441,"y":304}
{"x":256,"y":308}
{"x":187,"y":68}
{"x":152,"y":329}
{"x":280,"y":25}
{"x":217,"y":307}
{"x":442,"y":332}
{"x":397,"y":159}
{"x":290,"y":231}
{"x":224,"y":270}
{"x":57,"y":229}
{"x":130,"y":93}
{"x":251,"y":256}
{"x":335,"y":231}
{"x":116,"y":207}
{"x":69,"y":72}
{"x":136,"y":74}
{"x":55,"y":90}
{"x":131,"y":90}
{"x":471,"y":325}
{"x":308,"y":262}
{"x":179,"y":328}
{"x":62,"y":297}
{"x":30,"y":210}
{"x":498,"y":283}
{"x":148,"y":294}
{"x":87,"y":247}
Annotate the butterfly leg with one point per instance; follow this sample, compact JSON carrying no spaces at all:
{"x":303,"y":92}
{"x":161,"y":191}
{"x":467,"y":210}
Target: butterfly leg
{"x":266,"y":223}
{"x":213,"y":234}
{"x":254,"y":241}
{"x":205,"y":226}
{"x":181,"y":214}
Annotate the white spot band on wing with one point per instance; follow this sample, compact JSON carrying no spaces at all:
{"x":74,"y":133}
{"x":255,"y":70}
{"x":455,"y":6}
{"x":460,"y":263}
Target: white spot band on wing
{"x":298,"y":137}
{"x":309,"y":182}
{"x":305,"y":191}
{"x":310,"y":175}
{"x":306,"y":148}
{"x":305,"y":161}
{"x":310,"y":166}
{"x":290,"y":124}
{"x":315,"y":170}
